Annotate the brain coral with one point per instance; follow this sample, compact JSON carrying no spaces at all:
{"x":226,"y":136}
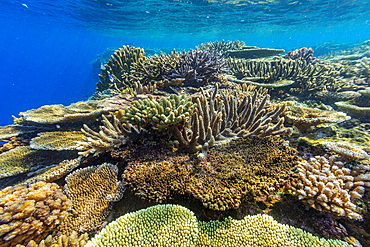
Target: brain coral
{"x":92,"y":191}
{"x":30,"y":212}
{"x":173,"y":225}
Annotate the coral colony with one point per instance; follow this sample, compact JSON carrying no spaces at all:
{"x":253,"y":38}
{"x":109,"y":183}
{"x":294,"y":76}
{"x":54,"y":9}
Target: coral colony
{"x":214,"y":146}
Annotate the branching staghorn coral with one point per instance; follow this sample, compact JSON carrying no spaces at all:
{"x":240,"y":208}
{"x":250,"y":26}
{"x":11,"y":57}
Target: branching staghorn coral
{"x":219,"y":119}
{"x":306,"y":77}
{"x":222,"y":46}
{"x":116,"y":73}
{"x":92,"y":191}
{"x":111,"y":136}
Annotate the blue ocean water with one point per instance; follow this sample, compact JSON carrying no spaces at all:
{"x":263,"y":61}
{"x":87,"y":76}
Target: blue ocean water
{"x":47,"y":46}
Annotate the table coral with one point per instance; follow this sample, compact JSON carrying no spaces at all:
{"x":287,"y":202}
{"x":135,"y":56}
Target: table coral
{"x":92,"y":191}
{"x":326,"y":185}
{"x":219,"y":181}
{"x":14,"y":143}
{"x":57,"y":140}
{"x":173,"y":225}
{"x":30,"y":212}
{"x":222,"y":46}
{"x":354,"y":110}
{"x":161,"y":225}
{"x":51,"y":114}
{"x":305,"y":118}
{"x":348,"y":150}
{"x":16,"y":161}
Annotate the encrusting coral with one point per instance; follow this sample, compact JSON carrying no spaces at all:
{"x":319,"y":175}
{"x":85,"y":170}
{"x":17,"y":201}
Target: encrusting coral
{"x":173,"y":225}
{"x":92,"y":191}
{"x":326,"y":185}
{"x":30,"y":212}
{"x":219,"y":181}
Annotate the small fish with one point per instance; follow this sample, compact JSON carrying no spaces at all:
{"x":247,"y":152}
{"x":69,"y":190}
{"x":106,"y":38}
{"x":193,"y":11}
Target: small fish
{"x":24,"y":5}
{"x":102,"y":67}
{"x":111,"y":78}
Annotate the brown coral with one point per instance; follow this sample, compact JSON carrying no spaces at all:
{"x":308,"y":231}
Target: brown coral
{"x":92,"y":191}
{"x":30,"y":212}
{"x":251,"y":165}
{"x":13,"y":143}
{"x":72,"y":240}
{"x":326,"y":185}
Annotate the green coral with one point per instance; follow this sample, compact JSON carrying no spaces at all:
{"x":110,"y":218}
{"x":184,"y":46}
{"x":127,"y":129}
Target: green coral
{"x":164,"y":112}
{"x":173,"y":225}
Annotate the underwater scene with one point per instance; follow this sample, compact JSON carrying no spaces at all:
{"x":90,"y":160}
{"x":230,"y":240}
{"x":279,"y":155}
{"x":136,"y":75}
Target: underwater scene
{"x":184,"y":123}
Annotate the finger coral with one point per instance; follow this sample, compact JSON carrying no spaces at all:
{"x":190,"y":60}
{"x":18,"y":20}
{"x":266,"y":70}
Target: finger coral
{"x":92,"y":191}
{"x":173,"y":225}
{"x":326,"y":185}
{"x":161,"y":225}
{"x":30,"y":212}
{"x":72,"y":240}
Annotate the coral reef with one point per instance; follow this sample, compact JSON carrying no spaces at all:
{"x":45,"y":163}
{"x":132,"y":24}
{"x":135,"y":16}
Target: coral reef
{"x":253,"y":52}
{"x":219,"y":181}
{"x":257,"y":230}
{"x":354,"y":110}
{"x":222,"y":46}
{"x":173,"y":225}
{"x":14,"y":130}
{"x":166,"y":111}
{"x":348,"y":150}
{"x":303,"y":54}
{"x":326,"y":185}
{"x":116,"y":72}
{"x":30,"y":212}
{"x":92,"y":191}
{"x":72,"y":240}
{"x":54,"y":172}
{"x":305,"y":118}
{"x":14,"y":142}
{"x":57,"y":140}
{"x":109,"y":137}
{"x":51,"y":114}
{"x":16,"y":161}
{"x":161,"y":225}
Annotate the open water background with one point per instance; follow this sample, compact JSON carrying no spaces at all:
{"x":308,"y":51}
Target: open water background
{"x":47,"y":46}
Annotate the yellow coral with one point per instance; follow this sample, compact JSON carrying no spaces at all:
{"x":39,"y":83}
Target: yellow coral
{"x":16,"y":161}
{"x":57,"y":140}
{"x":173,"y":225}
{"x":326,"y":185}
{"x":72,"y":240}
{"x":30,"y":212}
